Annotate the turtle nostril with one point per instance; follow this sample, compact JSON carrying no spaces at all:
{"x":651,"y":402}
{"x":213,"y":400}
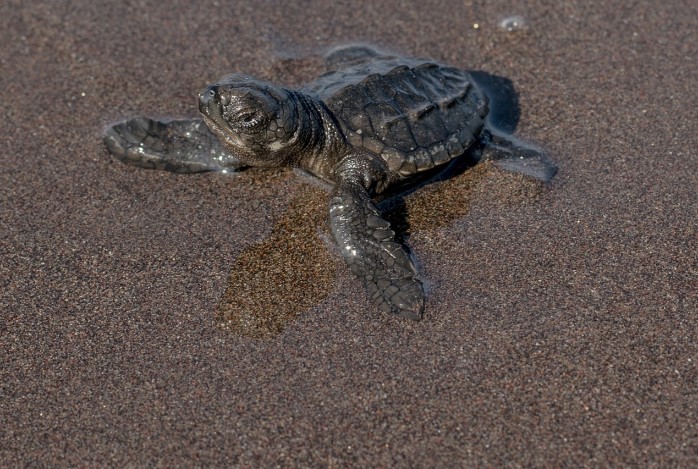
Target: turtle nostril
{"x":207,"y":96}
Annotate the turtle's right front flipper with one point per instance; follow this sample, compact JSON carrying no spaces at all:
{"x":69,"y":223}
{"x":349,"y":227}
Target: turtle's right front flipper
{"x":180,"y":146}
{"x":369,"y":248}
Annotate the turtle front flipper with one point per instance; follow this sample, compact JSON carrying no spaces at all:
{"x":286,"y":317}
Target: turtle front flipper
{"x":180,"y":146}
{"x":369,"y":248}
{"x":508,"y":152}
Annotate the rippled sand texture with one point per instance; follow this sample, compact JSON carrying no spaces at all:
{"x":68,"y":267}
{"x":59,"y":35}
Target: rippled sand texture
{"x":154,"y":319}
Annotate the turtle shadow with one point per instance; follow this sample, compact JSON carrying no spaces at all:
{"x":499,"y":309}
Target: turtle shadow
{"x":505,"y":110}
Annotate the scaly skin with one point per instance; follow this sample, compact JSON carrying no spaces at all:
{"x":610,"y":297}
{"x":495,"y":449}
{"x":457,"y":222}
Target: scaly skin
{"x":367,"y":242}
{"x":270,"y":126}
{"x":435,"y":114}
{"x":179,"y":146}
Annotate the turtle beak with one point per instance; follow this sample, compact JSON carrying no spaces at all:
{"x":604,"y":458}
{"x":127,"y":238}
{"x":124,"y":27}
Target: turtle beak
{"x":212,"y":111}
{"x":210,"y":105}
{"x":207,"y":100}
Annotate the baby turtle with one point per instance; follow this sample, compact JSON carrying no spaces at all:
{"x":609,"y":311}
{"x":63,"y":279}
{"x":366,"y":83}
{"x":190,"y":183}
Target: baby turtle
{"x":374,"y":124}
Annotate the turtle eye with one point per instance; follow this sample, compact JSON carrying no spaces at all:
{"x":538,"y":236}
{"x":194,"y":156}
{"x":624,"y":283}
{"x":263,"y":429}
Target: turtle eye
{"x":247,"y":117}
{"x":250,"y":119}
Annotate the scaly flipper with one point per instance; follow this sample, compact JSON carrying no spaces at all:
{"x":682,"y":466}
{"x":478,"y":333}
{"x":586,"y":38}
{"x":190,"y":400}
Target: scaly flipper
{"x":369,"y":248}
{"x":180,"y":146}
{"x":507,"y":152}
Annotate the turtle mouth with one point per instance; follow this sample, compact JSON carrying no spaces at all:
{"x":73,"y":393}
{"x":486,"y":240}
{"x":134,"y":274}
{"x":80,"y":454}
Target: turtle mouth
{"x":209,"y":106}
{"x":229,"y":138}
{"x":211,"y":110}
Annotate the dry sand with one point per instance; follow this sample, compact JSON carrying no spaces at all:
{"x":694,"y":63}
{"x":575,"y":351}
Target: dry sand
{"x":561,"y":322}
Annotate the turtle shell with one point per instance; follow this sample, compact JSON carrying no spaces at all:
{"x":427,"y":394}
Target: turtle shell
{"x":416,"y":115}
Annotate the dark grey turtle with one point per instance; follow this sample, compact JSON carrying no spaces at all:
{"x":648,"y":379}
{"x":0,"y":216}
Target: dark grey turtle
{"x":374,"y":124}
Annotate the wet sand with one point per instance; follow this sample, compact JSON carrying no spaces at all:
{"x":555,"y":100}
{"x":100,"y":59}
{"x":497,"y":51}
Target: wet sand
{"x":560,"y":326}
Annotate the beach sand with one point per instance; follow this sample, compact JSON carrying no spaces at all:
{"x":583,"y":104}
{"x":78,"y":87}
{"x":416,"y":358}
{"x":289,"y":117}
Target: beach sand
{"x":561,"y":320}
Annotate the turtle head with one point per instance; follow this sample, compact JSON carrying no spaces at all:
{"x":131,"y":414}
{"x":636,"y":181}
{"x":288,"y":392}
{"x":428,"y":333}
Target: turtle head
{"x":255,"y":120}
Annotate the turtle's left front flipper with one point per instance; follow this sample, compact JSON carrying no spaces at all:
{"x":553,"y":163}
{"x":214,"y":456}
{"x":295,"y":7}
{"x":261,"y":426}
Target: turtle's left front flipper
{"x":180,"y":146}
{"x":369,"y":248}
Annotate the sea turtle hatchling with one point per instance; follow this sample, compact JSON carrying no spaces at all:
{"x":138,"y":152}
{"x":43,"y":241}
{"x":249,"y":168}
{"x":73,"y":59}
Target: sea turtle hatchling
{"x":374,"y":124}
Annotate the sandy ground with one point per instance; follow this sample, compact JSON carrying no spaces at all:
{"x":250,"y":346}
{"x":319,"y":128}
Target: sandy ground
{"x":560,"y":325}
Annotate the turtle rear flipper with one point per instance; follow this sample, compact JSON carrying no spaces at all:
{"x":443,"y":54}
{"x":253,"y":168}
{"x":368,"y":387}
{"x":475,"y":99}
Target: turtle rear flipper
{"x":369,"y":249}
{"x":344,"y":56}
{"x":180,"y":146}
{"x":509,"y":153}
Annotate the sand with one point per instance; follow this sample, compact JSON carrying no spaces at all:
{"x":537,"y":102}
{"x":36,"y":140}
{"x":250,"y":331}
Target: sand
{"x":560,"y":325}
